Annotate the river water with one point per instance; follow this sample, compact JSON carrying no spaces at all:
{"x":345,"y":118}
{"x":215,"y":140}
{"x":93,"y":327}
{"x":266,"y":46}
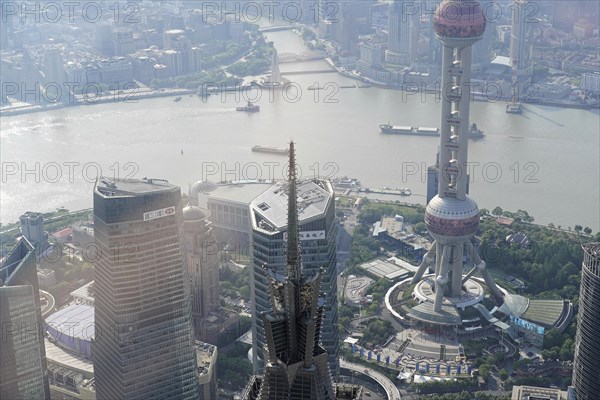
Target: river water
{"x":546,"y":161}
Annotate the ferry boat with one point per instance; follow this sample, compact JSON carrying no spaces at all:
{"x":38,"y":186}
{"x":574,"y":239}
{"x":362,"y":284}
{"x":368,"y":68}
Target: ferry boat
{"x":398,"y":191}
{"x":474,"y":132}
{"x":250,"y":107}
{"x":514,"y":108}
{"x":408,"y":130}
{"x":270,"y":149}
{"x":346,"y":183}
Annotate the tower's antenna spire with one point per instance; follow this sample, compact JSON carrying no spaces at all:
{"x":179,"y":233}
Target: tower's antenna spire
{"x":294,"y":268}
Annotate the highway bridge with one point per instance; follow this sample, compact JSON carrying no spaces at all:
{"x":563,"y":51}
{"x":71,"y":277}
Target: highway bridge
{"x":304,"y":56}
{"x":276,"y":28}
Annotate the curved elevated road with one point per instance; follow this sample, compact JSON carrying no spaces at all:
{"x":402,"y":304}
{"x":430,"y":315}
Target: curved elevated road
{"x":391,"y":390}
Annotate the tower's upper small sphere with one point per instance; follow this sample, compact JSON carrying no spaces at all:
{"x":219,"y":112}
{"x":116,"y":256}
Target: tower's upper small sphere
{"x":459,"y":19}
{"x":449,"y":218}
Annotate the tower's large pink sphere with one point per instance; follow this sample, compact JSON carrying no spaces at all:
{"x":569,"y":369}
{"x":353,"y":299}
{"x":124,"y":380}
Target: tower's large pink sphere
{"x":459,"y":19}
{"x":450,"y":219}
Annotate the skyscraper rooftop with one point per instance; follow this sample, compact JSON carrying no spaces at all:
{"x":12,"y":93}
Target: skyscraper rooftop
{"x":296,"y":365}
{"x":131,"y":187}
{"x":271,"y":206}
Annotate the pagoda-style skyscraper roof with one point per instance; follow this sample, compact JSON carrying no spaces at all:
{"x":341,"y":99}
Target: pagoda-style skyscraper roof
{"x":296,"y":366}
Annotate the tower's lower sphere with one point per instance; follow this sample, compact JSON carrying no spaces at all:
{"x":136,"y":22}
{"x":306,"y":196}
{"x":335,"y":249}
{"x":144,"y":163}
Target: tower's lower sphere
{"x":450,"y":219}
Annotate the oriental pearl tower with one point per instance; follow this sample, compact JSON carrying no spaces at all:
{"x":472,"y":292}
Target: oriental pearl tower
{"x":452,"y":217}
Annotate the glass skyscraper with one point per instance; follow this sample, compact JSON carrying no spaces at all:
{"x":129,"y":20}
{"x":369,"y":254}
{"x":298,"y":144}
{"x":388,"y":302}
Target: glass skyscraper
{"x":296,"y":365}
{"x":317,"y":224}
{"x":586,"y":369}
{"x":23,"y":373}
{"x":144,"y":346}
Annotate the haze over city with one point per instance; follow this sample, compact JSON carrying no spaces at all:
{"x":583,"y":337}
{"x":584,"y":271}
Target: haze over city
{"x":300,"y":199}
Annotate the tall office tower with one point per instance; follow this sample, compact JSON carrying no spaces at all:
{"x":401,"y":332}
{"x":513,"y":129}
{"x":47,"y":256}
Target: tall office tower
{"x":176,"y":22}
{"x":296,"y":366}
{"x":327,"y":14}
{"x":483,"y":49}
{"x":452,"y":217}
{"x":6,"y":29}
{"x":175,"y":39}
{"x":144,"y":346}
{"x":317,"y":224}
{"x":23,"y":373}
{"x":54,"y":67}
{"x":565,"y":13}
{"x":201,"y":253}
{"x":401,"y":25}
{"x":521,"y":41}
{"x":354,"y":20}
{"x":123,"y":41}
{"x":103,"y":39}
{"x":32,"y":227}
{"x":586,"y":370}
{"x":435,"y":49}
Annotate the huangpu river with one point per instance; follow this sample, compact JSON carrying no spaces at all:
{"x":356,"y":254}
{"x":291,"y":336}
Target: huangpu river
{"x":545,"y":161}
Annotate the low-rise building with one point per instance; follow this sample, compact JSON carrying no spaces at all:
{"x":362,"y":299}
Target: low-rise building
{"x":229,"y":206}
{"x":68,"y":353}
{"x":392,"y":269}
{"x":115,"y":72}
{"x":532,"y":393}
{"x":63,"y":236}
{"x":584,"y":29}
{"x":391,"y":231}
{"x":83,"y":233}
{"x":84,"y":294}
{"x":518,"y":238}
{"x":206,"y":360}
{"x":590,"y":83}
{"x":46,"y":277}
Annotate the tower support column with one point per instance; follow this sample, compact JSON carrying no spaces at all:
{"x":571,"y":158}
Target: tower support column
{"x":464,"y":55}
{"x":457,"y":268}
{"x":445,"y":129}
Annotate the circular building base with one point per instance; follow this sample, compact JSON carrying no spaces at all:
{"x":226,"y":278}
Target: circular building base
{"x":471,"y":294}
